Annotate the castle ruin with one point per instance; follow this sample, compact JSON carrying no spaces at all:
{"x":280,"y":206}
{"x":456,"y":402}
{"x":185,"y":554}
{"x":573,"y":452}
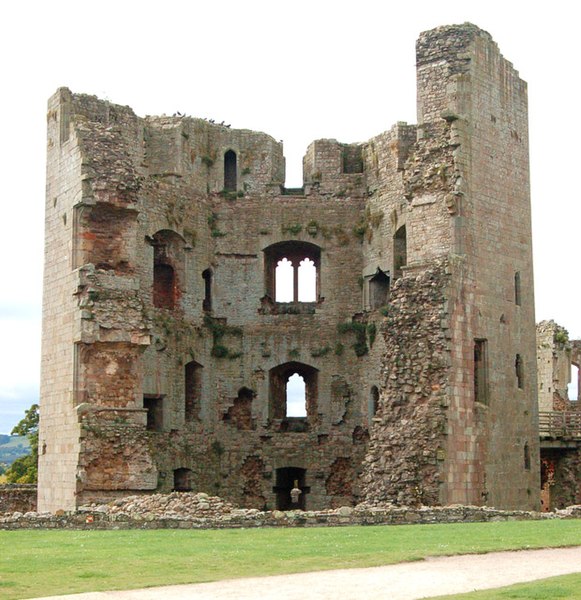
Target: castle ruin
{"x":185,"y":287}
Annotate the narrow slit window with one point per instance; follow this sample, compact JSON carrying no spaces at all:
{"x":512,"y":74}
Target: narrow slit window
{"x":480,"y":371}
{"x":230,"y":171}
{"x":517,"y":294}
{"x":518,"y":367}
{"x":207,"y":302}
{"x":399,"y":251}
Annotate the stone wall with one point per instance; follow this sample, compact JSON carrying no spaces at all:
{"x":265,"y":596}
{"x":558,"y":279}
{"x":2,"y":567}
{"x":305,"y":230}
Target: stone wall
{"x":17,"y":498}
{"x":167,"y":348}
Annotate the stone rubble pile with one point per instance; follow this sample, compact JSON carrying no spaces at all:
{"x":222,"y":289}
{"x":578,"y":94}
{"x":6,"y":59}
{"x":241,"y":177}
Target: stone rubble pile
{"x":176,"y":505}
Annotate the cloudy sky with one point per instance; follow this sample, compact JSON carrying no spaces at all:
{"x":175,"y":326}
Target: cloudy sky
{"x":297,"y":70}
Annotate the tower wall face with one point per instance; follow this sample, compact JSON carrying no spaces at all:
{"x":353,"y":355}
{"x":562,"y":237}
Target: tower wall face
{"x":173,"y":345}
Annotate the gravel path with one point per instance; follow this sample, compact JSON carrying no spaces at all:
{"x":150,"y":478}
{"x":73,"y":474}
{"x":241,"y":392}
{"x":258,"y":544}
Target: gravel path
{"x":405,"y":581}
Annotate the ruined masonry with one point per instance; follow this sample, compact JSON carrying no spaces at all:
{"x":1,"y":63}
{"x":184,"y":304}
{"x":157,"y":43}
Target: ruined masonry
{"x":558,"y":363}
{"x":187,"y":292}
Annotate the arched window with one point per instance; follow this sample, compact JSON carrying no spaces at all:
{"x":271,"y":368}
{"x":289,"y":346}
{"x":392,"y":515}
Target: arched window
{"x":296,"y":396}
{"x":293,"y":272}
{"x":293,"y":391}
{"x":230,"y":174}
{"x":399,"y":251}
{"x":168,"y":268}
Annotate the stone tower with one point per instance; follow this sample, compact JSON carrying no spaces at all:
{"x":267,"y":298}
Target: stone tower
{"x":186,"y":289}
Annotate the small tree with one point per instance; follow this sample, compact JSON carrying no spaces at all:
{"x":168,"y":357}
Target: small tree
{"x":25,"y":468}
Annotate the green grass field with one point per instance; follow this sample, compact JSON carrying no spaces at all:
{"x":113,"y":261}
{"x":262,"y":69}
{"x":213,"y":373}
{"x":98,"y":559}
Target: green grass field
{"x":566,"y":587}
{"x":41,"y":563}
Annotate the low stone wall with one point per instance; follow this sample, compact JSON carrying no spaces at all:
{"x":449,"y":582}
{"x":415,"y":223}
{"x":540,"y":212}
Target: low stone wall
{"x":246,"y":518}
{"x":17,"y":497}
{"x":190,"y":510}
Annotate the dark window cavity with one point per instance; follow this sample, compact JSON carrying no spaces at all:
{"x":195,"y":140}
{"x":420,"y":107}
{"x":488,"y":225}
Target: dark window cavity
{"x":399,"y":251}
{"x":518,"y":367}
{"x":207,"y":277}
{"x":230,"y":175}
{"x":517,"y":295}
{"x":481,"y":371}
{"x":193,"y":390}
{"x":154,"y":407}
{"x":182,"y":480}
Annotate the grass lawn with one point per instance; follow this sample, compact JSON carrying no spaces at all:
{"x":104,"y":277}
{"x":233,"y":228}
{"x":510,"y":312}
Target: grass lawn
{"x":42,"y":562}
{"x":566,"y":587}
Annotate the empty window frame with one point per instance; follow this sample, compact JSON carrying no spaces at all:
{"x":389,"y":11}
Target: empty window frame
{"x":154,"y":407}
{"x":293,"y":391}
{"x":527,"y":457}
{"x":207,"y":302}
{"x":292,"y":272}
{"x":481,"y":371}
{"x":517,"y":291}
{"x":193,"y":390}
{"x":519,"y":372}
{"x":168,"y":268}
{"x":182,"y":480}
{"x":378,"y":290}
{"x":373,"y":402}
{"x":399,"y":251}
{"x":230,"y":171}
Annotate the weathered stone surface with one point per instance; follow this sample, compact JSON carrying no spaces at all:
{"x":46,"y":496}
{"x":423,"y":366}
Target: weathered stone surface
{"x":167,"y":348}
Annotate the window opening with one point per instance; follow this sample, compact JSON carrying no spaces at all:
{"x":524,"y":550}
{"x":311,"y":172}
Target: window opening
{"x":168,"y":268}
{"x":517,"y":297}
{"x":284,"y":278}
{"x":292,"y":272}
{"x":182,"y":480}
{"x":351,"y":159}
{"x":378,"y":290}
{"x":527,"y":457}
{"x":193,"y":390}
{"x":163,"y":286}
{"x":518,"y":367}
{"x":573,"y":386}
{"x":287,"y":479}
{"x":293,"y":395}
{"x":154,"y":407}
{"x":399,"y":251}
{"x":230,"y":175}
{"x":373,"y":402}
{"x":480,"y":371}
{"x":207,"y":302}
{"x":307,"y":276}
{"x":296,"y":399}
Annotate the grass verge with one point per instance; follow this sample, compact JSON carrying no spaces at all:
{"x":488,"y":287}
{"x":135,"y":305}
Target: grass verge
{"x":45,"y":562}
{"x":565,"y":587}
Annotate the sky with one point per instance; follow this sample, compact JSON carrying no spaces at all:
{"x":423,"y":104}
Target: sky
{"x":298,"y":70}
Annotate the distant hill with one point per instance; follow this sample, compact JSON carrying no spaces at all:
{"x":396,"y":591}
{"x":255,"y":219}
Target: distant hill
{"x":13,"y":447}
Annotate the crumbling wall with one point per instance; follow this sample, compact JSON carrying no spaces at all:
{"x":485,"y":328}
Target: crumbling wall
{"x":17,"y":498}
{"x":553,"y":366}
{"x":407,"y":446}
